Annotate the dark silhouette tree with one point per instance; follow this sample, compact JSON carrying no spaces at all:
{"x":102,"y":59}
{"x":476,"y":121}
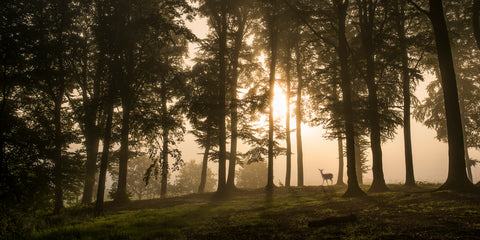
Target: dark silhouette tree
{"x":341,"y":6}
{"x":367,"y":16}
{"x":457,"y":178}
{"x":400,"y":22}
{"x":271,"y":20}
{"x":476,"y":21}
{"x":242,"y":14}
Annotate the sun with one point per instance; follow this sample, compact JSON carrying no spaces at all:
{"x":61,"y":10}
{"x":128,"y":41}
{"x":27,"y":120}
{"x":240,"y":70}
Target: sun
{"x":279,"y":103}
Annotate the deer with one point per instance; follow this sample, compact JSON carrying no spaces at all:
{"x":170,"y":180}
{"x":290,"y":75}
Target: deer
{"x":326,"y":176}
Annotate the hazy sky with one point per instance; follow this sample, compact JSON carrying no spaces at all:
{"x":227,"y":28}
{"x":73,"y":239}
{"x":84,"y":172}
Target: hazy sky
{"x":430,"y":157}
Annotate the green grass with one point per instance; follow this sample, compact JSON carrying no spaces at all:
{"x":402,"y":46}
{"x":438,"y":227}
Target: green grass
{"x":400,"y":214}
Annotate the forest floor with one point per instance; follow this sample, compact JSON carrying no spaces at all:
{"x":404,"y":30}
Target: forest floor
{"x":289,"y":213}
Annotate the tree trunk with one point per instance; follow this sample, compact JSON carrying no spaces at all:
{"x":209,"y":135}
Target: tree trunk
{"x":203,"y":177}
{"x":340,"y":146}
{"x":353,"y":190}
{"x":164,"y":161}
{"x":58,"y":95}
{"x":221,"y":99}
{"x":287,"y":125}
{"x":58,"y":161}
{"x":407,"y":138}
{"x":105,"y":153}
{"x":358,"y":160}
{"x":91,"y":144}
{"x":340,"y":162}
{"x":464,"y":126}
{"x":165,"y":139}
{"x":457,"y":177}
{"x":121,"y":194}
{"x":234,"y":105}
{"x":366,"y":20}
{"x":298,"y":117}
{"x":476,"y":21}
{"x":271,"y":92}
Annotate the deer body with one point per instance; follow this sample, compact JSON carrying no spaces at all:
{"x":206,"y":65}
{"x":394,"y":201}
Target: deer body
{"x":326,"y":176}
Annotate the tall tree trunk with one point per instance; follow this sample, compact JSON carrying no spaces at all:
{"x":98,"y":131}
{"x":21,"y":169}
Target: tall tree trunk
{"x":164,"y":161}
{"x":353,"y":190}
{"x":121,"y":194}
{"x":203,"y":177}
{"x":461,"y":103}
{"x":91,"y":141}
{"x":287,"y":125}
{"x":399,"y":9}
{"x":476,"y":21}
{"x":165,"y":152}
{"x":340,"y":162}
{"x":222,"y":156}
{"x":298,"y":117}
{"x":340,"y":146}
{"x":105,"y":153}
{"x":457,"y":177}
{"x":234,"y":105}
{"x":358,"y":160}
{"x":272,"y":28}
{"x":58,"y":95}
{"x":366,"y":19}
{"x":58,"y":161}
{"x":91,"y":145}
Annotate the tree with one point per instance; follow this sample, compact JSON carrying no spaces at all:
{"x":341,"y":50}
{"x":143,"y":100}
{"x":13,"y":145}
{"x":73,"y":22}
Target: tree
{"x":457,"y":177}
{"x":217,"y":12}
{"x":353,"y":189}
{"x":400,"y":21}
{"x":252,"y":175}
{"x":241,"y":20}
{"x":272,"y":29}
{"x":106,"y":56}
{"x":476,"y":21}
{"x":299,"y":116}
{"x":366,"y":14}
{"x":202,"y":111}
{"x":188,"y":179}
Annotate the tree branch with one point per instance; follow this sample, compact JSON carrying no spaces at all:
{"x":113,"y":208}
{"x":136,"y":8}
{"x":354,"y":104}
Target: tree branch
{"x":418,"y":7}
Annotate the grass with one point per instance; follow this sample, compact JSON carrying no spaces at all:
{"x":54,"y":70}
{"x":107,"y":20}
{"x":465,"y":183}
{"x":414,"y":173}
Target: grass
{"x":400,"y":214}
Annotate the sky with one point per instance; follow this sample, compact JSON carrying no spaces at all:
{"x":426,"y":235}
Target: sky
{"x":430,"y":157}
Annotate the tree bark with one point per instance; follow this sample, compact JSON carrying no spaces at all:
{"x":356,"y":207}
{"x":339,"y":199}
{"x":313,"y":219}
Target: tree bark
{"x":340,"y":147}
{"x":121,"y":194}
{"x":91,"y":141}
{"x":366,"y":20}
{"x":457,"y":177}
{"x":58,"y":95}
{"x":272,"y":28}
{"x":58,"y":161}
{"x":407,"y":138}
{"x":105,"y":153}
{"x":165,"y":137}
{"x":203,"y":177}
{"x":299,"y":117}
{"x":340,"y":162}
{"x":234,"y":104}
{"x":287,"y":124}
{"x":358,"y":160}
{"x":476,"y":21}
{"x":353,"y":190}
{"x":221,"y":100}
{"x":461,"y":103}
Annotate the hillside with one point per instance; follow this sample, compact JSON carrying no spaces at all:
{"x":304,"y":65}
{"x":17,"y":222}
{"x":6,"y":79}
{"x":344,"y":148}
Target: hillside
{"x":290,"y":213}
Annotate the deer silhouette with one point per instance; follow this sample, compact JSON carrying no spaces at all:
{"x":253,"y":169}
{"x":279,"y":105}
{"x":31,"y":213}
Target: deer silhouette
{"x":326,"y":176}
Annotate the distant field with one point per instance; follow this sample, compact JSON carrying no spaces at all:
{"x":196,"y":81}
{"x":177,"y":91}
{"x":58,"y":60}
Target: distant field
{"x":290,"y":213}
